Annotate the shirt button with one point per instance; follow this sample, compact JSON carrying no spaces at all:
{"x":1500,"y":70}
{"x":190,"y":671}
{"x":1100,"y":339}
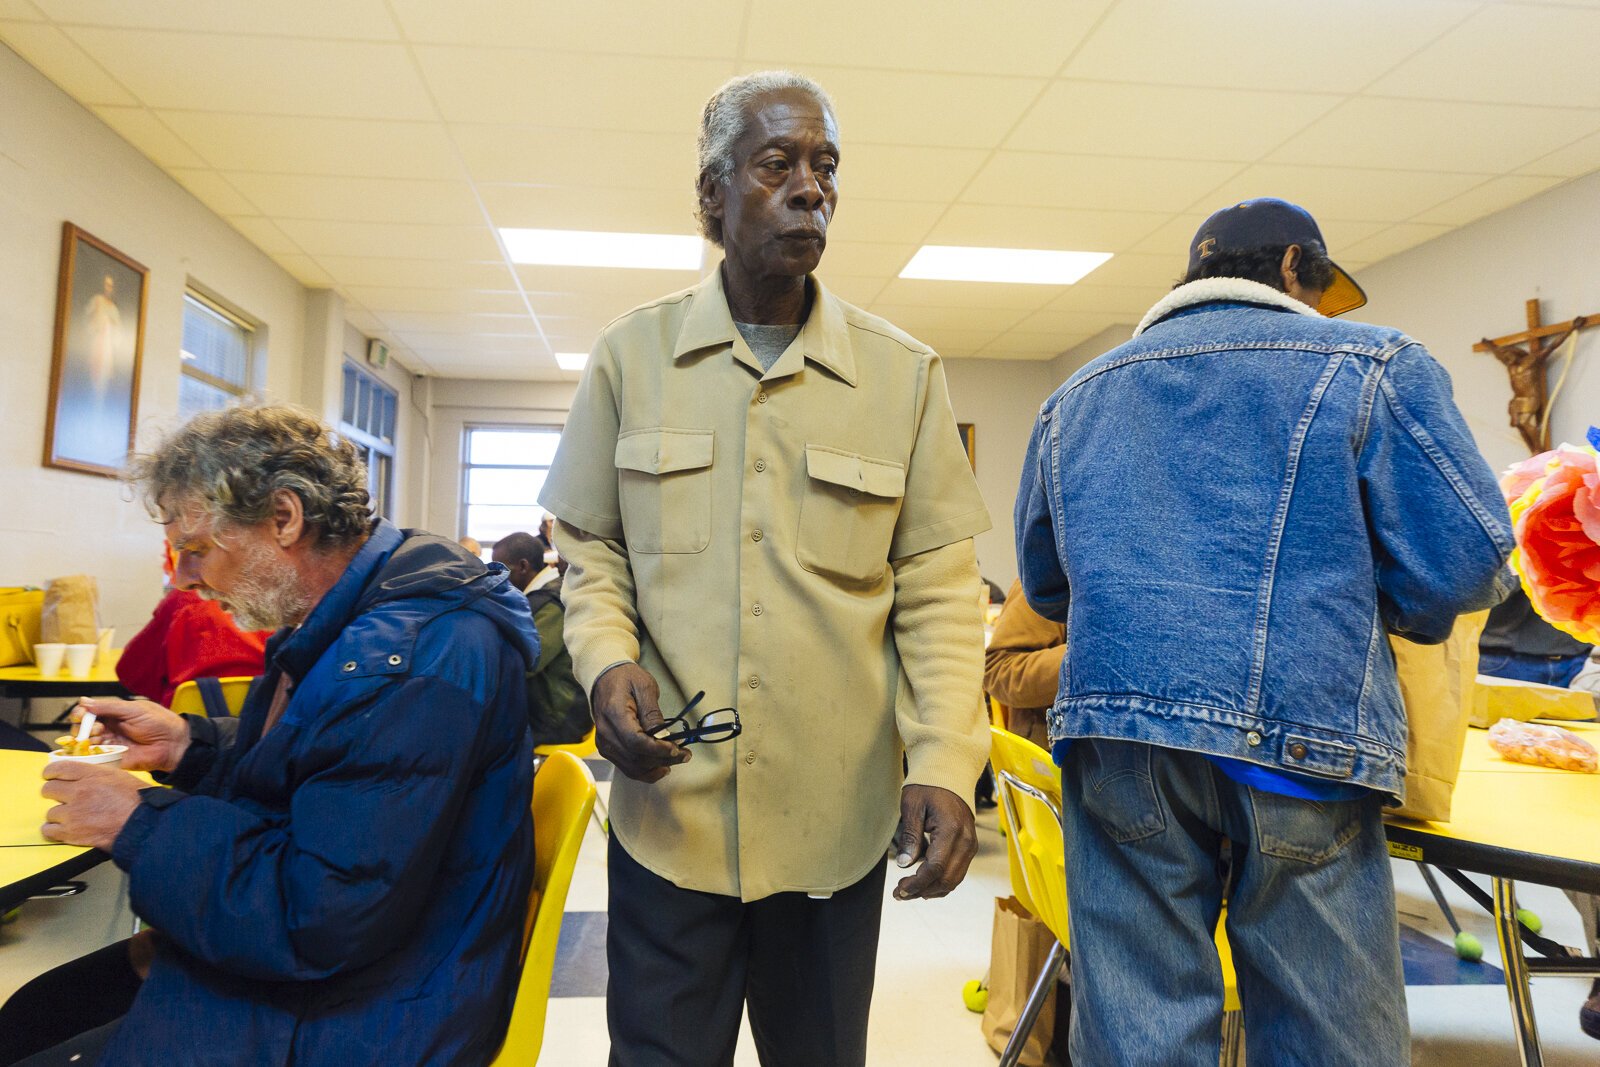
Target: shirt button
{"x":755,"y":683}
{"x":1297,"y":751}
{"x":749,"y":758}
{"x":757,"y":610}
{"x":761,"y":465}
{"x":761,"y":398}
{"x":757,"y":535}
{"x":1252,"y":738}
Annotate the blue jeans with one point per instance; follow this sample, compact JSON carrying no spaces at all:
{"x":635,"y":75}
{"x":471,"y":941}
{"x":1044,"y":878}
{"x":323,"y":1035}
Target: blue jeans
{"x":1547,"y":670}
{"x":1311,"y":916}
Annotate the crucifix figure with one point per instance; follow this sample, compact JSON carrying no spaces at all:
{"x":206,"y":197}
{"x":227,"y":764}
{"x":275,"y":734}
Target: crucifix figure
{"x":1526,"y":356}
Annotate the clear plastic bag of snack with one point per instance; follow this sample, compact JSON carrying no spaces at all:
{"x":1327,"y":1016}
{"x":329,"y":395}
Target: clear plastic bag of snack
{"x":1543,"y":746}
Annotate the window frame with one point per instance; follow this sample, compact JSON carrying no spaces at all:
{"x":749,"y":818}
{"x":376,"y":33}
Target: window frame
{"x":364,"y":439}
{"x":467,"y":466}
{"x":254,"y":338}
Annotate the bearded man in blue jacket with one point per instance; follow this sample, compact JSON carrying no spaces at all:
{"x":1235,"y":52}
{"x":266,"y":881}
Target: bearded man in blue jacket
{"x":1230,"y":513}
{"x":339,"y":875}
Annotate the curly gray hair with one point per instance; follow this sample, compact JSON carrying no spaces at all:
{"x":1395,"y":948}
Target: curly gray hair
{"x":723,"y":122}
{"x":230,"y":463}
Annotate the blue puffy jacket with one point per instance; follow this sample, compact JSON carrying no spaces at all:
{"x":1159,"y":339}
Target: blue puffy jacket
{"x":1229,"y":513}
{"x":349,"y":888}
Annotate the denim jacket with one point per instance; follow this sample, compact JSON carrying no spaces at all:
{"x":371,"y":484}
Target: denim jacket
{"x":1232,"y":509}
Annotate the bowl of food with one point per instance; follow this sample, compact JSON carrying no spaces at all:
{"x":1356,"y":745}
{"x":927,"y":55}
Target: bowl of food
{"x":86,"y":751}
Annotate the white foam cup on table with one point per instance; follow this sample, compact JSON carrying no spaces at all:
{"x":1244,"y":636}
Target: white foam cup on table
{"x":48,"y":659}
{"x":103,"y":646}
{"x":107,"y":754}
{"x":80,"y":660}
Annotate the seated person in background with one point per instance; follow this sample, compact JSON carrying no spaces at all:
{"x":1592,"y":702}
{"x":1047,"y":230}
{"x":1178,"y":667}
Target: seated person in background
{"x":558,"y":709}
{"x":1022,"y":665}
{"x":1518,"y":644}
{"x":188,"y":637}
{"x":471,"y":545}
{"x":547,"y":533}
{"x":339,"y":875}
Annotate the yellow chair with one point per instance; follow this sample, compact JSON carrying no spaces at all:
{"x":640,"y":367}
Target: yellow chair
{"x":563,"y":796}
{"x":583,"y":750}
{"x":1030,"y":802}
{"x":186,"y":698}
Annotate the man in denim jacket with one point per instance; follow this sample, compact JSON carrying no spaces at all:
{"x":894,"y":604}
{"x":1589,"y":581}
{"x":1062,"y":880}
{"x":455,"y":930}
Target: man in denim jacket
{"x":1229,"y":513}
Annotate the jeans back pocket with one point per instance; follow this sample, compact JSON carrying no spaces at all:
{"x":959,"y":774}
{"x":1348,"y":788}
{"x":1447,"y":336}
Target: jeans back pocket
{"x":1118,"y":790}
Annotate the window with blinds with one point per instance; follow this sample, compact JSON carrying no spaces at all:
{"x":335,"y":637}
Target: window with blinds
{"x":367,"y":416}
{"x":217,"y":349}
{"x":505,"y":469}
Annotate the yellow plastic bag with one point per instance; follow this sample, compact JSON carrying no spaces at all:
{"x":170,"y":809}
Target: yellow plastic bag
{"x":20,"y":609}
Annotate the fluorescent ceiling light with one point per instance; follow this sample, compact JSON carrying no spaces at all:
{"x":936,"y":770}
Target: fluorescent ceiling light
{"x":593,"y":248}
{"x":1034,"y":266}
{"x":571,"y":360}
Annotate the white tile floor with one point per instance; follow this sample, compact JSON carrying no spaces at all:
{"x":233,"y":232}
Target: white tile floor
{"x":928,"y":950}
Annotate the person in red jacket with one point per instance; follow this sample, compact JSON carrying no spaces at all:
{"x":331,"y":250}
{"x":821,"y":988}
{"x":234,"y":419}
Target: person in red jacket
{"x":188,"y":637}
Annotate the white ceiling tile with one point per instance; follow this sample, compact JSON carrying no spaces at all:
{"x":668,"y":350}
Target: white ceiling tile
{"x":1261,"y":44}
{"x":1496,"y":194}
{"x":1120,"y":303}
{"x":323,"y":237}
{"x":854,"y":289}
{"x":1165,"y":121}
{"x":1393,"y":240}
{"x":1342,"y":192}
{"x":271,"y":144}
{"x":418,"y":273}
{"x":360,"y":199}
{"x":607,"y":292}
{"x":863,"y":257}
{"x":429,"y":344}
{"x":146,"y":132}
{"x":518,"y":86}
{"x":1477,"y":60}
{"x":921,"y":292}
{"x":1028,"y":344}
{"x":261,"y":75}
{"x":1105,"y":183}
{"x":926,"y":320}
{"x":19,"y":11}
{"x":63,"y":62}
{"x":265,"y":235}
{"x":1174,"y":237}
{"x":926,"y":108}
{"x":705,"y":28}
{"x":214,"y":191}
{"x":456,"y":300}
{"x":305,"y":270}
{"x":346,"y":19}
{"x":1130,"y":269}
{"x":882,"y":220}
{"x":892,"y":172}
{"x":1060,"y":324}
{"x":1029,"y":37}
{"x":578,"y":208}
{"x":952,"y":338}
{"x":1574,"y":160}
{"x":1435,"y":135}
{"x":411,"y":323}
{"x":1001,"y":226}
{"x":602,"y":159}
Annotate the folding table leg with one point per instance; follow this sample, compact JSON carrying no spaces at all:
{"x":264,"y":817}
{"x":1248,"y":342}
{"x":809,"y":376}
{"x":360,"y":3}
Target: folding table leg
{"x":1516,"y":967}
{"x":1030,"y":1011}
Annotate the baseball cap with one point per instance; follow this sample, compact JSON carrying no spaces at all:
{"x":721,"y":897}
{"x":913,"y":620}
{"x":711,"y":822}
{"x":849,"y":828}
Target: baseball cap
{"x":1267,"y":222}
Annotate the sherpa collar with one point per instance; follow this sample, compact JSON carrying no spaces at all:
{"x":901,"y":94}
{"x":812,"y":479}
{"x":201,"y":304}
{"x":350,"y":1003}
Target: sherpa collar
{"x":1212,"y":290}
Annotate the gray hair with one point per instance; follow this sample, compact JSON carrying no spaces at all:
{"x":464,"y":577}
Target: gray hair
{"x":230,"y":463}
{"x":723,"y":122}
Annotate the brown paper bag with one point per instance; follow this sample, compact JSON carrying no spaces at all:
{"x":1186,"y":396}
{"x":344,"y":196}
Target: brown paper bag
{"x":1016,"y":956}
{"x":71,"y":613}
{"x":1436,"y":686}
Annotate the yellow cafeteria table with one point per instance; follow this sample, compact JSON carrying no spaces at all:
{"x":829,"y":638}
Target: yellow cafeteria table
{"x":28,"y":863}
{"x":25,"y":682}
{"x":1515,"y":823}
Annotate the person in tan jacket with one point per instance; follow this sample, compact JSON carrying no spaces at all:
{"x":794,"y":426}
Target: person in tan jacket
{"x":1022,"y":667}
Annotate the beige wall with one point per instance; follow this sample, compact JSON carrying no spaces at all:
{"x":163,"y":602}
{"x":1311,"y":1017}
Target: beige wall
{"x":59,"y":163}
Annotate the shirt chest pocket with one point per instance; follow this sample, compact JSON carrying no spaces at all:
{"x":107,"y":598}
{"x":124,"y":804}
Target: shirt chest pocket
{"x":848,"y":513}
{"x":664,"y":484}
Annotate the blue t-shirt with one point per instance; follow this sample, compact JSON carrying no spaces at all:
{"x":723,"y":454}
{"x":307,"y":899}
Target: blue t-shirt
{"x":1286,"y":783}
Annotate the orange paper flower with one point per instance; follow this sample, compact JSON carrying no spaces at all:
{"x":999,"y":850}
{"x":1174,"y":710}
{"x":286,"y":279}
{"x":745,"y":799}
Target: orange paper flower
{"x":1555,"y":510}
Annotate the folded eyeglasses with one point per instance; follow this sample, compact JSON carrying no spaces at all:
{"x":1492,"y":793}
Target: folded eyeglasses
{"x":711,"y":728}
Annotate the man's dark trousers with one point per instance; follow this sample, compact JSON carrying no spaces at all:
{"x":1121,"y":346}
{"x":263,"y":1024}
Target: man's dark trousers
{"x":683,"y":965}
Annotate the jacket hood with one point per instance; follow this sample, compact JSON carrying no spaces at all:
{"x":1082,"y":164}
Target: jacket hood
{"x":434,"y":576}
{"x":1222,"y":290}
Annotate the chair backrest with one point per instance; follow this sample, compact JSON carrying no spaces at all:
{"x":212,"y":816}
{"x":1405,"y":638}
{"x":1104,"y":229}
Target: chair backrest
{"x":563,"y":796}
{"x":187,"y":699}
{"x":1030,"y":802}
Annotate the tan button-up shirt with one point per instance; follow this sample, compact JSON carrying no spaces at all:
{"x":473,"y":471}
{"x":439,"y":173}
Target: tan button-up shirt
{"x":770,"y":538}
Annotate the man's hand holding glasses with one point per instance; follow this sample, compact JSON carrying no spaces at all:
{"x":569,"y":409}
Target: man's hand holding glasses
{"x":631,"y":732}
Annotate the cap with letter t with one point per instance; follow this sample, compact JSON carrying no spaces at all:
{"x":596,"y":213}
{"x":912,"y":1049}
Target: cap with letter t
{"x":1267,"y":222}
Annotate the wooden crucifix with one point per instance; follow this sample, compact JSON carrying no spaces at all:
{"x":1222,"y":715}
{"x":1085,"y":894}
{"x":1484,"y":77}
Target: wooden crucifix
{"x":1525,"y":355}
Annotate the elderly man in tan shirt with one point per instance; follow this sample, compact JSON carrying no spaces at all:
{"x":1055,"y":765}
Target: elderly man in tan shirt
{"x":762,"y":495}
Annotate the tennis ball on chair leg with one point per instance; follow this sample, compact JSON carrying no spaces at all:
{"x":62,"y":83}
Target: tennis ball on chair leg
{"x":1530,"y":920}
{"x":975,"y":995}
{"x":1468,"y":947}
